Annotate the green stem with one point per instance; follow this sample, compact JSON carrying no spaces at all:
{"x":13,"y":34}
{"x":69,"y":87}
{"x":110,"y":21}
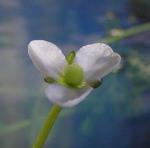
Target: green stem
{"x":49,"y":122}
{"x":127,"y":33}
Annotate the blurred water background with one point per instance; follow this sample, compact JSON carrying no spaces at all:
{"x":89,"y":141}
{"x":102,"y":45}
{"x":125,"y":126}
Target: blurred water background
{"x":116,"y":115}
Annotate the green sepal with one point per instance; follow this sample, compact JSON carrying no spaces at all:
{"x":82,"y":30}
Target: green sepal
{"x":49,"y":80}
{"x":70,"y":57}
{"x":95,"y":84}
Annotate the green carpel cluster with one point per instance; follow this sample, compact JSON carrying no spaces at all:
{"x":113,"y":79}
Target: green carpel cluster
{"x":73,"y":75}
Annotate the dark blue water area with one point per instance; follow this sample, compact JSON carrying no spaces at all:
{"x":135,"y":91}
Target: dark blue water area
{"x":58,"y":21}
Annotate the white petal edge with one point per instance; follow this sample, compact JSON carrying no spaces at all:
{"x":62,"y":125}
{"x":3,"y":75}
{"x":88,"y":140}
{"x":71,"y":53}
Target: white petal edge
{"x":66,"y":97}
{"x":97,"y":60}
{"x":47,"y":57}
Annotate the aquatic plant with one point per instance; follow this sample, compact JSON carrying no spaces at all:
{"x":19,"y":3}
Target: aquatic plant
{"x":70,"y":78}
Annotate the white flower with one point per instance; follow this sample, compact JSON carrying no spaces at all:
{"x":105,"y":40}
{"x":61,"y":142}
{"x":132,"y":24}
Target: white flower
{"x":72,"y":81}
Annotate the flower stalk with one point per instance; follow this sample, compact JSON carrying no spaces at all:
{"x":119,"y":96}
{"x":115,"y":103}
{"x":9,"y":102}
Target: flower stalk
{"x":47,"y":127}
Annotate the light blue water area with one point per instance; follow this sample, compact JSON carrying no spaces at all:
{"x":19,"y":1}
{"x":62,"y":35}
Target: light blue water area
{"x":114,"y":116}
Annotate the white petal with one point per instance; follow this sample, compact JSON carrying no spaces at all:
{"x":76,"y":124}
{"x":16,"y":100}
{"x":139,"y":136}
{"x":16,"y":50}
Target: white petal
{"x":66,"y":97}
{"x":47,"y":57}
{"x":97,"y":60}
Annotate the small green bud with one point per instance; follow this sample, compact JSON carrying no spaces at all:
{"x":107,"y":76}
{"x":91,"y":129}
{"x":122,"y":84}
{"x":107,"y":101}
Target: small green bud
{"x":95,"y":84}
{"x":73,"y":75}
{"x":70,"y":57}
{"x":49,"y":80}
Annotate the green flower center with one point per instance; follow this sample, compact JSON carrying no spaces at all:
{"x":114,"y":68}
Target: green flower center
{"x":73,"y":75}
